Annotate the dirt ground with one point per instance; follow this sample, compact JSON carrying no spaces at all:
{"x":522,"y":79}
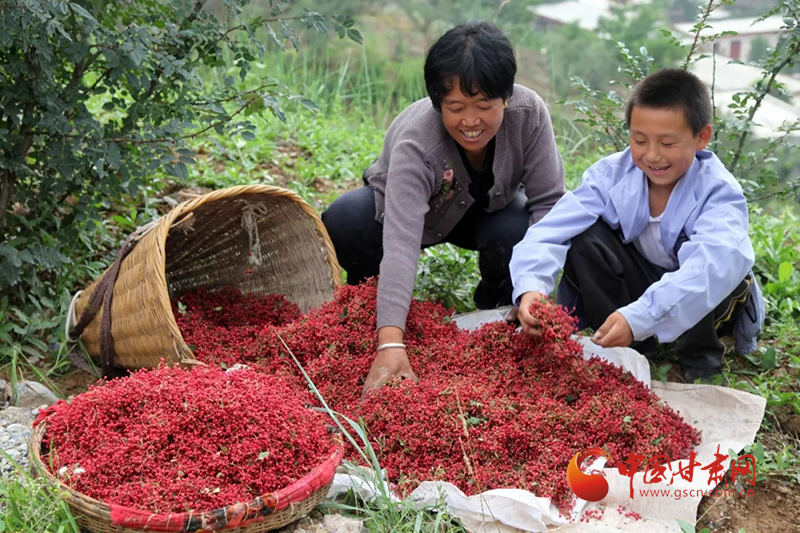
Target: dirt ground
{"x":773,"y":507}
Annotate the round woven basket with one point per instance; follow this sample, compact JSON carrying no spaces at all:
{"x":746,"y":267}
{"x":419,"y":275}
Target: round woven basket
{"x":265,"y":513}
{"x":256,"y":238}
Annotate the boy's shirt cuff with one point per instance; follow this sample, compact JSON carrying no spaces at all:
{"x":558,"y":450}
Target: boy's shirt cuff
{"x":639,"y":319}
{"x":527,"y":285}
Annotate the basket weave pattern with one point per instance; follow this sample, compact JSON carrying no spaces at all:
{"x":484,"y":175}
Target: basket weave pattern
{"x":266,"y":513}
{"x":256,"y":238}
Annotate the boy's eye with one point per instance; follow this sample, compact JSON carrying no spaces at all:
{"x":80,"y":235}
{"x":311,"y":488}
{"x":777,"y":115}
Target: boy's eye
{"x":638,"y":142}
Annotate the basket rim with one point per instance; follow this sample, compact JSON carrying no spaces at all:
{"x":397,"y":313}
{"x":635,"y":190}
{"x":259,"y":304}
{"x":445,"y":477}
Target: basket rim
{"x":239,"y":514}
{"x":164,"y":225}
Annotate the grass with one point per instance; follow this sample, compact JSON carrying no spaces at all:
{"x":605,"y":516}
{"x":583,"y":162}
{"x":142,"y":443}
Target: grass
{"x":375,"y":503}
{"x":32,"y":505}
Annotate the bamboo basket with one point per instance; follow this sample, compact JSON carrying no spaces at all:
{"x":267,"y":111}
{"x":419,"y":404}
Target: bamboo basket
{"x":256,"y":238}
{"x":266,"y":513}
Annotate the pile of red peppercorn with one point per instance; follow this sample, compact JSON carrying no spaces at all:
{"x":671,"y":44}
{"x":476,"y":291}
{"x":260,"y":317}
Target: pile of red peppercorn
{"x":493,"y":408}
{"x":170,"y":440}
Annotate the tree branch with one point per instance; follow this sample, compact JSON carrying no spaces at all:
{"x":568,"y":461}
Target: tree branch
{"x":7,"y":177}
{"x":6,"y":186}
{"x":786,"y":190}
{"x":159,"y":140}
{"x":760,"y":98}
{"x":703,"y":18}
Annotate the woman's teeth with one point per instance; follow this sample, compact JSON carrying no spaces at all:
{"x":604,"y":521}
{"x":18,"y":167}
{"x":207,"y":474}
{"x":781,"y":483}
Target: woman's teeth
{"x":472,"y":134}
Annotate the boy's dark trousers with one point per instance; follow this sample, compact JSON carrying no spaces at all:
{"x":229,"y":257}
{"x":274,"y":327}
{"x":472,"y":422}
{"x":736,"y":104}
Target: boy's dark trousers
{"x":610,"y":274}
{"x":358,"y":240}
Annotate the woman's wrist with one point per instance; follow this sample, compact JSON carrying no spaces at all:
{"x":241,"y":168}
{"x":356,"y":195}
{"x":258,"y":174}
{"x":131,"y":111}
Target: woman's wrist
{"x":387,"y":345}
{"x":390,"y":337}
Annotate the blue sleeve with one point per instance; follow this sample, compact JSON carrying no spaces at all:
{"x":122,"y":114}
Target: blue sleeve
{"x":540,"y":255}
{"x":715,"y":259}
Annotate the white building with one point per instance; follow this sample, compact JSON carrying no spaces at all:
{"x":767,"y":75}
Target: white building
{"x":747,"y":31}
{"x":728,"y":78}
{"x":585,"y":13}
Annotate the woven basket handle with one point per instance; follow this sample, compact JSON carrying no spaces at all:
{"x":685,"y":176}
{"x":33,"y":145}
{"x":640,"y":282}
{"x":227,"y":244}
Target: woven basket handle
{"x":103,"y":293}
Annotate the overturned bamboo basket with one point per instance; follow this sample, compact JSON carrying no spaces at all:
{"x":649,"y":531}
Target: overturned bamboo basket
{"x":256,"y":238}
{"x":265,"y":513}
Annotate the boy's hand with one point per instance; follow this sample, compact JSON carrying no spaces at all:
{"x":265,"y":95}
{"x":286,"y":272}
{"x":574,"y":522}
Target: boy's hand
{"x":388,"y":363}
{"x":614,"y":332}
{"x":530,"y":325}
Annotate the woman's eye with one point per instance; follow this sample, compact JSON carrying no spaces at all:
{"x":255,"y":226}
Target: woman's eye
{"x":484,"y":108}
{"x":638,"y":142}
{"x":667,"y":145}
{"x":456,"y":109}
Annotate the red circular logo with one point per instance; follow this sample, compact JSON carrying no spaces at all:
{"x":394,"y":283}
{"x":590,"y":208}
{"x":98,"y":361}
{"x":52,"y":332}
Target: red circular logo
{"x":589,"y":487}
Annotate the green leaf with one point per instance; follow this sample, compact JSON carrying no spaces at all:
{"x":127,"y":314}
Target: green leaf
{"x":785,"y":271}
{"x":770,"y":359}
{"x":657,"y":440}
{"x":78,"y":10}
{"x":248,"y":135}
{"x":355,"y":35}
{"x":686,"y":527}
{"x":181,"y":171}
{"x":113,"y":156}
{"x":627,"y":419}
{"x":309,"y":104}
{"x":263,"y":455}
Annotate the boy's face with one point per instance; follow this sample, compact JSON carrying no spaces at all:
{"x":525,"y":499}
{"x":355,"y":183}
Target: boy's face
{"x":663,"y":145}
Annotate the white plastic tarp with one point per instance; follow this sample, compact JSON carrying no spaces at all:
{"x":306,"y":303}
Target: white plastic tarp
{"x":725,"y":417}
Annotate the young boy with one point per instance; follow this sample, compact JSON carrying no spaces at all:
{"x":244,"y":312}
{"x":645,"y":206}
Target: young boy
{"x":654,"y":242}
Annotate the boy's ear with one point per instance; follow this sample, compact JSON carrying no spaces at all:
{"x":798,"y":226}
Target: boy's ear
{"x":704,"y":136}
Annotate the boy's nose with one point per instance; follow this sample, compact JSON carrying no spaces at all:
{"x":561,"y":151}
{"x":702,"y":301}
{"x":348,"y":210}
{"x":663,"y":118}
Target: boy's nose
{"x":653,"y":155}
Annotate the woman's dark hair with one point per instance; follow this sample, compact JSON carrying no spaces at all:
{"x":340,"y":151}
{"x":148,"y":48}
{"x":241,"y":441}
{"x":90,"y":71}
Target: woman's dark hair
{"x":672,"y":88}
{"x":479,"y":55}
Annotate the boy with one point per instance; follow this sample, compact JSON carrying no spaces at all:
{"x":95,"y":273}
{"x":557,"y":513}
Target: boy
{"x":654,"y":242}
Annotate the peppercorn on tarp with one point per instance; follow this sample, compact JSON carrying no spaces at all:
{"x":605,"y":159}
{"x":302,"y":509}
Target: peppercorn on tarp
{"x":727,"y":419}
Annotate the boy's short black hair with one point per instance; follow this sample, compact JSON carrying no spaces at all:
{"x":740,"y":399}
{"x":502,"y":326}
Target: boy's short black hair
{"x":479,"y":55}
{"x":673,"y":88}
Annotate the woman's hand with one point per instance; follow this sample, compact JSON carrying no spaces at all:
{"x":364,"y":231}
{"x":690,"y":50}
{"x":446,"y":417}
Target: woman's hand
{"x":530,"y":324}
{"x":389,"y":363}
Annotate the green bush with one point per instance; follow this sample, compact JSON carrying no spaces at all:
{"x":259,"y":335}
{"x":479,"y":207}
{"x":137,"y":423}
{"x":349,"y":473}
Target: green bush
{"x":99,"y":98}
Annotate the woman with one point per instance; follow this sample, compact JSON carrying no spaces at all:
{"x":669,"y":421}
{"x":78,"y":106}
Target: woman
{"x":474,"y":165}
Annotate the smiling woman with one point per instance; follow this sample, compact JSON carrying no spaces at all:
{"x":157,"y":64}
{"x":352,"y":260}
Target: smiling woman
{"x":474,"y":165}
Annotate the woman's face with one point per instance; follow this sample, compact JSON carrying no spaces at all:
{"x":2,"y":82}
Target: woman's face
{"x":471,"y":120}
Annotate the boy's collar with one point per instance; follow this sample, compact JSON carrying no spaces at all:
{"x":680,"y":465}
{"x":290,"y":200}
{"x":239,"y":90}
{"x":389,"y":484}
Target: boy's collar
{"x":630,"y":199}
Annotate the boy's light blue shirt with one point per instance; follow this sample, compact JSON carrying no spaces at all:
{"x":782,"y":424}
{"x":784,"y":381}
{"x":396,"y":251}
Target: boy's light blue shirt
{"x":705,"y":222}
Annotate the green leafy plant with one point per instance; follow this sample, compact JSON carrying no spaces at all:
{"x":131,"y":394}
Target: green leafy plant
{"x":31,"y":505}
{"x":99,"y":98}
{"x":448,"y":274}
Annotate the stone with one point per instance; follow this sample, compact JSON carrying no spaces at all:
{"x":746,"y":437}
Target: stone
{"x":5,"y":393}
{"x":332,"y":523}
{"x":30,"y":394}
{"x":336,"y":523}
{"x":16,"y":415}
